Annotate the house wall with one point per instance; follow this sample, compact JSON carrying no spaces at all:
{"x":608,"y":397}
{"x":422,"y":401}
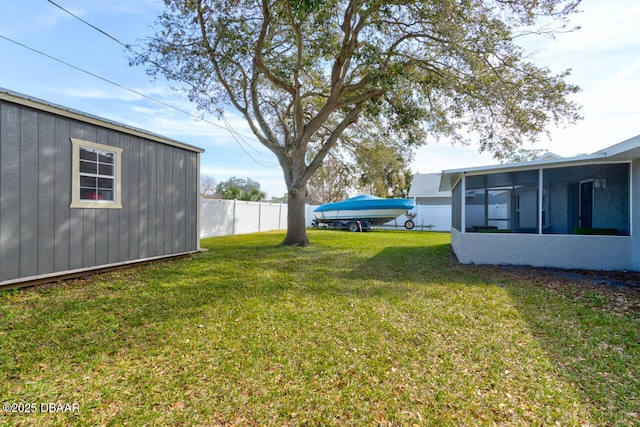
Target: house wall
{"x":610,"y":204}
{"x":558,"y":209}
{"x":40,"y":235}
{"x":433,"y":201}
{"x":546,"y":250}
{"x":525,"y":211}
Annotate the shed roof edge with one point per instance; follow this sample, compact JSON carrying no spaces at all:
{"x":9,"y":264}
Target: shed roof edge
{"x":39,"y":104}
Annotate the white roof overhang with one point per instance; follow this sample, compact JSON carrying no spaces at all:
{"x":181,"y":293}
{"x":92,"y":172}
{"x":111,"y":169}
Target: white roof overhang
{"x":625,"y":151}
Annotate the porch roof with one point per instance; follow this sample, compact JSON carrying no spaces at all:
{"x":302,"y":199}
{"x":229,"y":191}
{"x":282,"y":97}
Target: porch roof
{"x":624,"y":151}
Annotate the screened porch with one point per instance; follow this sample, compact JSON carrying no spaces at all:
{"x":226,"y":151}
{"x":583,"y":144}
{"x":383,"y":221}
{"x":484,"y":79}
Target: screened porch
{"x":582,"y":199}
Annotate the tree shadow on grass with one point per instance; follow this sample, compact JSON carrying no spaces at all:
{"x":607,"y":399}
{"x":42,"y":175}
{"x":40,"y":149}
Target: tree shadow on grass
{"x":416,"y":264}
{"x":133,"y":312}
{"x":588,"y":324}
{"x":83,"y":319}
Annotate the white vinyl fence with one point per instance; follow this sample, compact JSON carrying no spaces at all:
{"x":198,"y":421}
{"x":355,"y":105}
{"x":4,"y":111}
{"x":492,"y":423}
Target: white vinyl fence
{"x":231,"y":217}
{"x":433,"y":218}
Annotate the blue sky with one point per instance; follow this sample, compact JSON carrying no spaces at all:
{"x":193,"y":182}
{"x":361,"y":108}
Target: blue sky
{"x":604,"y":56}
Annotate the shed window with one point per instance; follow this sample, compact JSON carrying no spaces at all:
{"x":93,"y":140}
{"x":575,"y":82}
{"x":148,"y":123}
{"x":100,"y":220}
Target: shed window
{"x":96,"y":175}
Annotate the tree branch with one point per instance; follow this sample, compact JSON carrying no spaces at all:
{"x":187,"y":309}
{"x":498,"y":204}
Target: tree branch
{"x":258,"y":52}
{"x":349,"y":119}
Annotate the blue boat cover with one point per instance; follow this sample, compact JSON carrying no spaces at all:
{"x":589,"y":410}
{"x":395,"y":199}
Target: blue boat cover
{"x":365,"y":202}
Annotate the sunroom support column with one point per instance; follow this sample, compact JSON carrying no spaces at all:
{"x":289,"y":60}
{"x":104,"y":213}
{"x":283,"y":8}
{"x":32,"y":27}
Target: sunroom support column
{"x":463,"y":207}
{"x":540,"y":198}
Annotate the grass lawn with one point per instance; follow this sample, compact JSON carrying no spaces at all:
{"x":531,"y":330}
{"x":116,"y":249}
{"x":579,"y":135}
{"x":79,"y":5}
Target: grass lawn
{"x":364,"y":329}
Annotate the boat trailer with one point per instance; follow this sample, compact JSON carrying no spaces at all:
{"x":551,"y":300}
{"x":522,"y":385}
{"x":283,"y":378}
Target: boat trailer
{"x":344,"y":224}
{"x":356,"y":224}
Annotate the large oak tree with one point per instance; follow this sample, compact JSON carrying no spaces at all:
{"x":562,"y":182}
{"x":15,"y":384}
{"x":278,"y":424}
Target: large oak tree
{"x":302,"y":72}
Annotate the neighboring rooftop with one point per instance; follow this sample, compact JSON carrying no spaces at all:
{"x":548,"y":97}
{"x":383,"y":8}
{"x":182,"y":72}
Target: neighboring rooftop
{"x":427,"y":185}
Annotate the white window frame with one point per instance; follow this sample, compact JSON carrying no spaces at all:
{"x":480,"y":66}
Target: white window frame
{"x":76,"y":202}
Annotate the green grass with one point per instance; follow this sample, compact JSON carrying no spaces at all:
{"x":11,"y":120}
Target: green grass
{"x":363,"y":329}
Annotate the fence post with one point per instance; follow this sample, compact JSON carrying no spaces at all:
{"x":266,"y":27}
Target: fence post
{"x":260,"y":216}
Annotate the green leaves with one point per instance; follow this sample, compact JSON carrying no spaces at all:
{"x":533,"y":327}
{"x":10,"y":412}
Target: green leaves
{"x":302,"y":8}
{"x":436,"y":53}
{"x":240,"y":189}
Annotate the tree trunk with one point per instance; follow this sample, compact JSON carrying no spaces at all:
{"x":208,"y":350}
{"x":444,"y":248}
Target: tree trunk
{"x":296,"y":222}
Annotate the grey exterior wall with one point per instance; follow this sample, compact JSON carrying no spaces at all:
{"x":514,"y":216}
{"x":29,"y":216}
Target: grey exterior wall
{"x":558,"y":211}
{"x":610,"y":204}
{"x":433,"y":201}
{"x":635,"y":214}
{"x":41,"y":235}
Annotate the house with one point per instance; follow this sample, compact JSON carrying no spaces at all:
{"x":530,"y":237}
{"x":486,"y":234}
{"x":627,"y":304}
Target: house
{"x":581,"y":212}
{"x":425,"y":190}
{"x":433,"y":207}
{"x":80,"y":193}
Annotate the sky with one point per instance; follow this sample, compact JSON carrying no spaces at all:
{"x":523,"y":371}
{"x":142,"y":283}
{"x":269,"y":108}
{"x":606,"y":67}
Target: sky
{"x":604,"y":56}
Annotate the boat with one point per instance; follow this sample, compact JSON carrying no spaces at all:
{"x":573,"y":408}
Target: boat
{"x":362,"y":212}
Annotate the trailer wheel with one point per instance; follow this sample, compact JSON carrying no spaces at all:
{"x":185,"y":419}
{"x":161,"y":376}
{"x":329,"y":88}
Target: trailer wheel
{"x":353,"y":226}
{"x":409,"y":225}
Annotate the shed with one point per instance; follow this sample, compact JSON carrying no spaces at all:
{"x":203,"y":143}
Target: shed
{"x":80,"y":193}
{"x":580,"y":212}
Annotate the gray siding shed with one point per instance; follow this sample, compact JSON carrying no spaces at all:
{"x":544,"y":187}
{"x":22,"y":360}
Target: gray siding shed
{"x":42,"y":237}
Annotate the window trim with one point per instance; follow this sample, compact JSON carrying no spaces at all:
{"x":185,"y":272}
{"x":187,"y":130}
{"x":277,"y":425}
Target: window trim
{"x":76,"y":202}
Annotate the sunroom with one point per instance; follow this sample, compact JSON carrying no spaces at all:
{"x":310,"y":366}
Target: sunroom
{"x":567,"y":213}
